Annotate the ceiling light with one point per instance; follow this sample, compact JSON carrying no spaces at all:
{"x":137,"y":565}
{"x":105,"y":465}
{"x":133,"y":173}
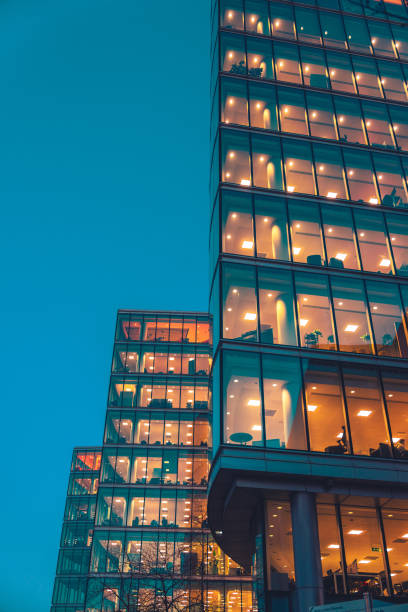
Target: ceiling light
{"x":330,"y":230}
{"x":365,"y":561}
{"x":395,"y":440}
{"x":364,"y":413}
{"x":341,"y":256}
{"x":131,"y":356}
{"x":333,"y":546}
{"x":296,"y":250}
{"x":332,"y":194}
{"x":245,"y":182}
{"x":303,"y":322}
{"x":355,"y":532}
{"x":247,"y":244}
{"x":254,"y":402}
{"x":232,"y":155}
{"x":256,"y":428}
{"x":250,"y":316}
{"x":350,"y":328}
{"x":384,"y":263}
{"x":405,"y":535}
{"x":311,"y":408}
{"x":290,"y":188}
{"x":373,"y":201}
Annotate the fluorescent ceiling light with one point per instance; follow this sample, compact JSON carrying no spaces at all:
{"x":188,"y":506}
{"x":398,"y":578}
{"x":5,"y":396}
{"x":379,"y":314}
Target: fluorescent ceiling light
{"x":364,"y":413}
{"x":384,"y":263}
{"x":291,"y":188}
{"x":303,"y":322}
{"x":373,"y":201}
{"x":332,"y":194}
{"x":355,"y":532}
{"x":254,"y":402}
{"x":296,"y":250}
{"x":341,"y":256}
{"x":256,"y":428}
{"x":365,"y":561}
{"x":245,"y":182}
{"x":250,"y":316}
{"x":247,"y":244}
{"x":311,"y":408}
{"x":351,"y":328}
{"x":333,"y":546}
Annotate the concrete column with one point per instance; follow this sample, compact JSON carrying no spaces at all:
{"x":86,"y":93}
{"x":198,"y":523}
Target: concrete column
{"x":285,"y":320}
{"x":306,"y":549}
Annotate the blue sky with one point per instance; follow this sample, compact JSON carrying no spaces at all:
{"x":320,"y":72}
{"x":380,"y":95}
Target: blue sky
{"x":104,"y":112}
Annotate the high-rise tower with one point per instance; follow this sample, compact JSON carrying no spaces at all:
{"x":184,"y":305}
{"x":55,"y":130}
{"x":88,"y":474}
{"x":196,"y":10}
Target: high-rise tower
{"x":309,"y":296}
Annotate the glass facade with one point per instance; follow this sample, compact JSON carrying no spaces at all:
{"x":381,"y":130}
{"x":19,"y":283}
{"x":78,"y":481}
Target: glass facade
{"x":135,"y":533}
{"x":309,"y":295}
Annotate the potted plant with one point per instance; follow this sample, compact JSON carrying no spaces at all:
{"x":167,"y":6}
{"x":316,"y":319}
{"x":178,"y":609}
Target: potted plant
{"x":238,"y":68}
{"x":312,"y":338}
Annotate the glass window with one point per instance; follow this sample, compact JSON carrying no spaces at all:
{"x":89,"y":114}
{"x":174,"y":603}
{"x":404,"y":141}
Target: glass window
{"x":240,"y":313}
{"x":276,"y":305}
{"x":363,"y":546}
{"x":256,"y":17}
{"x":339,"y":236}
{"x":259,"y":54}
{"x":388,"y":323}
{"x":203,"y":331}
{"x":232,"y":14}
{"x":163,"y":330}
{"x":242,"y":399}
{"x":307,"y":26}
{"x":321,"y":115}
{"x":119,"y":428}
{"x":128,"y":327}
{"x":234,"y":104}
{"x":400,"y":126}
{"x":366,"y":414}
{"x":396,"y":533}
{"x":349,"y":120}
{"x":332,"y":30}
{"x":287,"y":64}
{"x":371,"y":235}
{"x":360,"y":177}
{"x":279,"y":546}
{"x":292,"y":111}
{"x":392,"y":81}
{"x":324,"y":408}
{"x":189,"y":330}
{"x":298,"y":167}
{"x":329,"y":172}
{"x":284,"y":415}
{"x":233,"y":57}
{"x":237,"y":232}
{"x":358,"y":37}
{"x":306,"y":234}
{"x":381,"y":39}
{"x":266,"y":162}
{"x":263,"y":109}
{"x":401,"y":41}
{"x":396,"y":397}
{"x":271,"y":228}
{"x":315,"y":317}
{"x":235,"y":159}
{"x":282,"y":24}
{"x":367,"y":79}
{"x":353,"y":328}
{"x":329,"y":540}
{"x":314,"y":68}
{"x":398,"y":230}
{"x":341,"y":73}
{"x":390,"y":180}
{"x":378,"y":125}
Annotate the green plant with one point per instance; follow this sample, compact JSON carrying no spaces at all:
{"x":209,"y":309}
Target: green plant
{"x":365,"y":338}
{"x":387,"y":339}
{"x":312,"y":338}
{"x":238,"y":68}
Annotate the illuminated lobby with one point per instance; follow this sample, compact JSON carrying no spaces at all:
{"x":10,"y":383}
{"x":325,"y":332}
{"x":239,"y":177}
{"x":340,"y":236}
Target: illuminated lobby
{"x":309,"y":298}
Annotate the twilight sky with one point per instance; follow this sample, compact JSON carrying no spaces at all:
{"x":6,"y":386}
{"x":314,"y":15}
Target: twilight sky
{"x":104,"y":190}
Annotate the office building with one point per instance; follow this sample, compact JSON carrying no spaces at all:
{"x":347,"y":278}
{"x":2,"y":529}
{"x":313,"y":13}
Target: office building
{"x":309,"y":297}
{"x":135,"y":533}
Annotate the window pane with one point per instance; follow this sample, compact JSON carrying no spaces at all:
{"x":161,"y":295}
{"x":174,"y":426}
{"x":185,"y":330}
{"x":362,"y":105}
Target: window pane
{"x":263,"y":111}
{"x":341,"y":73}
{"x":234,"y":105}
{"x":392,"y":81}
{"x":398,"y":229}
{"x":305,"y":232}
{"x":357,"y":35}
{"x":390,"y":180}
{"x":307,"y":26}
{"x":329,"y":172}
{"x":315,"y":318}
{"x":242,"y":399}
{"x":276,"y":306}
{"x":363,"y":546}
{"x":352,"y":322}
{"x":240,"y":314}
{"x":259,"y":53}
{"x":279,"y":545}
{"x":360,"y":177}
{"x":396,"y":397}
{"x":332,"y":31}
{"x":321,"y":116}
{"x":237,"y":233}
{"x":324,"y":408}
{"x":233,"y":54}
{"x":366,"y":414}
{"x":368,"y":82}
{"x":330,"y":550}
{"x":378,"y":125}
{"x":400,"y":126}
{"x":349,"y":120}
{"x":287,"y":64}
{"x":256,"y":17}
{"x":374,"y":250}
{"x":283,"y":24}
{"x":298,"y":167}
{"x":232,"y":14}
{"x":339,"y":235}
{"x":284,"y":415}
{"x":292,"y":111}
{"x":235,"y":159}
{"x":396,"y":529}
{"x":314,"y":68}
{"x":271,"y":228}
{"x":386,"y":315}
{"x":266,"y":162}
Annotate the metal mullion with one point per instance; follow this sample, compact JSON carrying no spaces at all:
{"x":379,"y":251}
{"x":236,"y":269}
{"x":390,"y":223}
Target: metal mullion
{"x":288,"y":229}
{"x":305,"y":418}
{"x":385,"y":408}
{"x":388,"y":242}
{"x":316,"y":184}
{"x":296,"y":308}
{"x":220,"y":360}
{"x":356,"y":240}
{"x":248,"y":104}
{"x":342,"y":549}
{"x":404,"y":314}
{"x":385,"y":552}
{"x":306,"y":107}
{"x":393,"y":136}
{"x":254,"y":225}
{"x":257,"y":304}
{"x":322,"y":235}
{"x":345,"y":173}
{"x":370,"y":319}
{"x":333,"y":311}
{"x":370,"y":153}
{"x":278,"y":108}
{"x":263,"y":420}
{"x":346,"y":411}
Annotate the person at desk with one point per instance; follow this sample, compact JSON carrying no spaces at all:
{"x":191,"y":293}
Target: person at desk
{"x":400,"y":450}
{"x":342,"y":444}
